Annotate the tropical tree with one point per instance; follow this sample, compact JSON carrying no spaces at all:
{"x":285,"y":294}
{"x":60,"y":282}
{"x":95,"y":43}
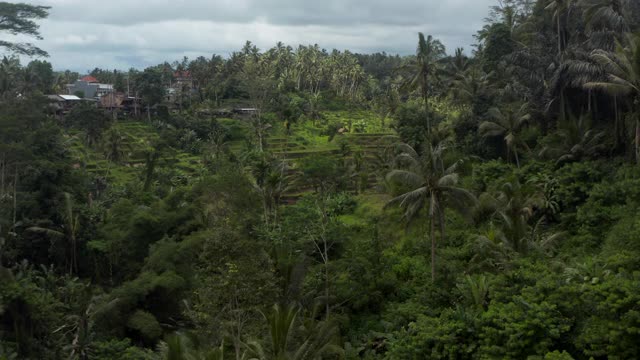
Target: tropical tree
{"x":10,"y":74}
{"x":257,"y":77}
{"x":269,"y":180}
{"x":114,"y":145}
{"x":424,"y":69}
{"x":18,"y":19}
{"x":428,"y":185}
{"x":318,"y":341}
{"x":93,"y":122}
{"x":622,"y":68}
{"x":69,"y":231}
{"x":574,"y":140}
{"x":514,"y":205}
{"x":187,"y":346}
{"x":606,"y":20}
{"x":472,"y":87}
{"x":149,"y":85}
{"x":507,"y":124}
{"x":560,"y":9}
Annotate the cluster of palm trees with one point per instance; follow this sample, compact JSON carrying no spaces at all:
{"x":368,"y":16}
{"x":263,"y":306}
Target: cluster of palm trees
{"x":308,"y":69}
{"x":595,"y":61}
{"x":608,"y":64}
{"x":513,"y":217}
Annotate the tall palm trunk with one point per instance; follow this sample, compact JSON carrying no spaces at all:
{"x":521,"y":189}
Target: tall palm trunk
{"x":432,"y":234}
{"x":559,"y":37}
{"x":636,"y":138}
{"x":425,"y":97}
{"x":442,"y":226}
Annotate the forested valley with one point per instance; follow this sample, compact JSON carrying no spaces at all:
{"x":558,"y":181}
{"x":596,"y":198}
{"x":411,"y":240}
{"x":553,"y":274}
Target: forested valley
{"x":300,"y":203}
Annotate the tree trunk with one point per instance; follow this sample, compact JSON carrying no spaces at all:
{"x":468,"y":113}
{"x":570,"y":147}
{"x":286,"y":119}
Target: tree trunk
{"x":15,"y":197}
{"x":617,"y":140}
{"x":442,"y":226}
{"x":559,"y":38}
{"x":432,"y":234}
{"x":74,"y":255}
{"x":2,"y":175}
{"x":637,"y":139}
{"x":326,"y":281}
{"x":425,"y":96}
{"x":265,"y":207}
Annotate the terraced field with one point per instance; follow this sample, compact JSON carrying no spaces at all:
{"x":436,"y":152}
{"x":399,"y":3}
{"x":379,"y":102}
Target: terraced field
{"x":303,"y":141}
{"x":136,"y":142}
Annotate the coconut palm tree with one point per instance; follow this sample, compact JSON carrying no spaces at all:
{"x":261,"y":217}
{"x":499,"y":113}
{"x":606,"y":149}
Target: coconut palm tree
{"x":606,"y":16}
{"x":432,"y":186}
{"x":606,"y":21}
{"x":69,"y":231}
{"x":622,"y":68}
{"x":507,"y":124}
{"x":424,"y":69}
{"x":560,"y":9}
{"x":471,"y":85}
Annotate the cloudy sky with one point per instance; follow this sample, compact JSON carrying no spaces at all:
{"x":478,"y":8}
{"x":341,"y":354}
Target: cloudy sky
{"x":83,"y":34}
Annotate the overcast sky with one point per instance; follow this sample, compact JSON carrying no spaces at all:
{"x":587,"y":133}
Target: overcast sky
{"x":83,"y":34}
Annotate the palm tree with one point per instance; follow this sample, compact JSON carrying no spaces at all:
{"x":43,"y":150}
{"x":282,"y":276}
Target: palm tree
{"x":460,"y":62}
{"x":622,"y":68}
{"x":475,"y":290}
{"x":281,"y":320}
{"x":560,"y":8}
{"x":609,"y":14}
{"x":513,"y":206}
{"x":431,"y":185}
{"x":606,"y":20}
{"x":471,"y":85}
{"x":114,"y":145}
{"x":270,"y":181}
{"x":574,"y":141}
{"x":69,"y":230}
{"x":424,"y":69}
{"x":9,"y":75}
{"x":507,"y":124}
{"x":187,"y":346}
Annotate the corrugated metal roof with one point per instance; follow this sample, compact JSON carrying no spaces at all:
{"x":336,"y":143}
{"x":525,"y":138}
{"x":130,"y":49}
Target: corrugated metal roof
{"x":70,"y":97}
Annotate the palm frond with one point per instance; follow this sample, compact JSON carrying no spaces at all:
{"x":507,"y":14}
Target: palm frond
{"x":405,"y":178}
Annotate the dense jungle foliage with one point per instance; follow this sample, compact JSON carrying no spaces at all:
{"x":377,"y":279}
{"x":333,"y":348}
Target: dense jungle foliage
{"x":476,"y":204}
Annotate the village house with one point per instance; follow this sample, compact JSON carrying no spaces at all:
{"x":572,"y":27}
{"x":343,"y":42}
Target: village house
{"x":62,"y":104}
{"x":181,"y":89}
{"x":89,"y":88}
{"x":119,"y":102}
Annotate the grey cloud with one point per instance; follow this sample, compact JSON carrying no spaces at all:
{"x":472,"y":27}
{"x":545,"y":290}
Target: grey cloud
{"x":82,"y":34}
{"x":280,"y":12}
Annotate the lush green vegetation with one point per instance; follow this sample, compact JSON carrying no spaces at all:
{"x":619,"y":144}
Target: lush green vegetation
{"x":374,"y":206}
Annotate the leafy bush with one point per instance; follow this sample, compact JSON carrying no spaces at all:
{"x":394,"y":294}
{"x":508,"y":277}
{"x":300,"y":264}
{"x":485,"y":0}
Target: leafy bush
{"x":146,"y":324}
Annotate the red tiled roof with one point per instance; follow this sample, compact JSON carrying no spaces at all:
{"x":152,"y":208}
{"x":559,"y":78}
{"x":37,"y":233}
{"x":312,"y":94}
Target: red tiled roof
{"x":182,"y":74}
{"x":89,"y":79}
